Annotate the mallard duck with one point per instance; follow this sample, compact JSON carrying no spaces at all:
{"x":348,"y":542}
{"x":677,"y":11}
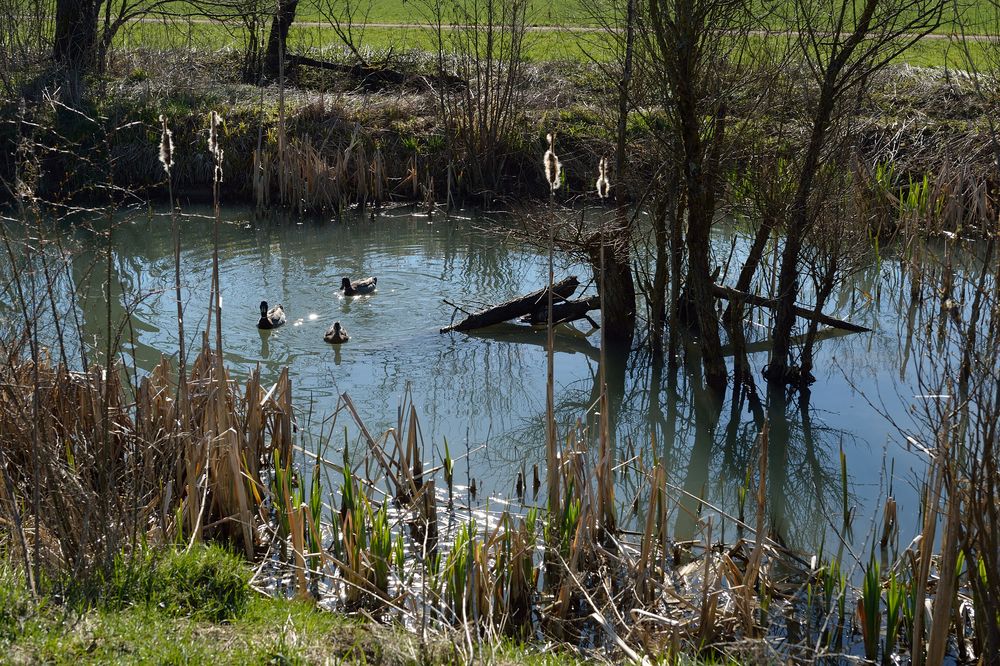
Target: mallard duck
{"x":336,"y":334}
{"x":272,"y":318}
{"x":357,"y":287}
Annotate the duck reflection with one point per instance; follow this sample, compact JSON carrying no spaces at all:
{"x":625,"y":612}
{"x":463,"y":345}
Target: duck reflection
{"x":265,"y":346}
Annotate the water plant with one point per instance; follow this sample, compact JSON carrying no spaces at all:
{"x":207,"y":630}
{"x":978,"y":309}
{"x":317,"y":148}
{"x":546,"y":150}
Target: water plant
{"x":869,"y":608}
{"x":895,"y":603}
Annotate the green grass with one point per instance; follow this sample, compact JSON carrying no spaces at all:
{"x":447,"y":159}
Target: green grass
{"x":198,"y":608}
{"x":978,"y":15}
{"x":540,"y":46}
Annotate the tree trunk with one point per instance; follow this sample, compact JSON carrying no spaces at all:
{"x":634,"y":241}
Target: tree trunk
{"x":699,"y":289}
{"x":74,"y":40}
{"x":276,"y":41}
{"x":617,"y":287}
{"x":701,"y":211}
{"x":623,"y":106}
{"x":658,"y":298}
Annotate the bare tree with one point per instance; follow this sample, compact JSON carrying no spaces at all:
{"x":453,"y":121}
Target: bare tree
{"x":23,"y":44}
{"x":85,"y":30}
{"x":348,"y":19}
{"x":843,"y":44}
{"x":484,"y":42}
{"x":277,"y":39}
{"x":247,"y":21}
{"x":609,"y":248}
{"x":697,"y":74}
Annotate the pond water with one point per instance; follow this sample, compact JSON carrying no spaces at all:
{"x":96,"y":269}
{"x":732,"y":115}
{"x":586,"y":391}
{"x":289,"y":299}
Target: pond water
{"x":486,"y":392}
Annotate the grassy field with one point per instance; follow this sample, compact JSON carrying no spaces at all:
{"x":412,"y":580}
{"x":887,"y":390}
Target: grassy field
{"x":540,"y":46}
{"x":979,"y":16}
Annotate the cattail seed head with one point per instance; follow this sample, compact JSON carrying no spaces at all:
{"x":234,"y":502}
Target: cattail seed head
{"x":551,"y":164}
{"x":166,"y":146}
{"x":603,"y":184}
{"x":218,"y":165}
{"x":213,"y":144}
{"x":213,"y":136}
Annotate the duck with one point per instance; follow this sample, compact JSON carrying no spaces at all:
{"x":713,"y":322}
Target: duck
{"x":272,"y":318}
{"x":336,"y":334}
{"x":365,"y":286}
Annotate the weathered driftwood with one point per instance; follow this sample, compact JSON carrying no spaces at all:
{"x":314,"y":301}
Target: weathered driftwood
{"x":517,"y":307}
{"x":728,"y":293}
{"x":564,"y":312}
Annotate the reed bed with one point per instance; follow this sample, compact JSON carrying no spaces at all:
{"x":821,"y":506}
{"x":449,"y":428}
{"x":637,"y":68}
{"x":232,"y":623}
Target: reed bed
{"x":374,"y":528}
{"x":389,"y":540}
{"x":311,"y":181}
{"x":93,"y":465}
{"x":116,"y":466}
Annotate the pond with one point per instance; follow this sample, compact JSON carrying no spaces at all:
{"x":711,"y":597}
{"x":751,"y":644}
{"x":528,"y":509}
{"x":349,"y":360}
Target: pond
{"x":485,"y":393}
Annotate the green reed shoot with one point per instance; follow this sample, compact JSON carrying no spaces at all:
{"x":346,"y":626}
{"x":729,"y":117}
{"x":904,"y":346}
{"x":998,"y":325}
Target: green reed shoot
{"x":316,"y":511}
{"x":433,"y":574}
{"x":458,"y":570}
{"x":399,"y":556}
{"x":741,"y":494}
{"x":846,"y":509}
{"x":832,"y":582}
{"x":449,"y":467}
{"x":513,"y":571}
{"x":869,"y":606}
{"x":381,"y":549}
{"x":895,"y":602}
{"x":286,"y":498}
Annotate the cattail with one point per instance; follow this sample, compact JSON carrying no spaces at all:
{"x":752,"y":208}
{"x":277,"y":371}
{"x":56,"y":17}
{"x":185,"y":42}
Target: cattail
{"x":218,"y":165}
{"x":166,"y":146}
{"x":213,"y":134}
{"x":213,"y":144}
{"x":603,"y":184}
{"x":553,"y":169}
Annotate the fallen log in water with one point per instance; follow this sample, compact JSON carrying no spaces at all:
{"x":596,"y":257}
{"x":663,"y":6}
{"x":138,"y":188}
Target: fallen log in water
{"x":517,"y":307}
{"x":730,"y":294}
{"x":565,"y":312}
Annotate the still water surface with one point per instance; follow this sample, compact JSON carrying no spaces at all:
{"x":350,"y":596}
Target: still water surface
{"x":486,"y":392}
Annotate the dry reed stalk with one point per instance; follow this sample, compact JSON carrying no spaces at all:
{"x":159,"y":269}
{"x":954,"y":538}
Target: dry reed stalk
{"x":296,"y":527}
{"x":932,"y":502}
{"x":412,"y":178}
{"x":753,"y":566}
{"x":647,"y":552}
{"x":373,"y":446}
{"x":709,"y":596}
{"x":261,"y":181}
{"x":378,"y":177}
{"x":605,"y":466}
{"x":167,"y":159}
{"x":207,"y":472}
{"x":407,"y":457}
{"x":361,"y":171}
{"x":944,"y":596}
{"x":745,"y":584}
